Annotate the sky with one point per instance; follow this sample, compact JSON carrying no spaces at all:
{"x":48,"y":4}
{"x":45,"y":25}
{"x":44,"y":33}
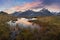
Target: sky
{"x":22,"y":5}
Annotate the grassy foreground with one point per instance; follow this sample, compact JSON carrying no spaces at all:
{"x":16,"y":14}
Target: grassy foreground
{"x":49,"y":29}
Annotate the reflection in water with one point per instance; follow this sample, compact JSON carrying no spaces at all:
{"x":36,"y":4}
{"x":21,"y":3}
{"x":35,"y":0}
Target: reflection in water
{"x":23,"y":22}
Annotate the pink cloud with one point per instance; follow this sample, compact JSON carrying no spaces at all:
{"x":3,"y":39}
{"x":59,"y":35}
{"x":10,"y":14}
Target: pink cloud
{"x":37,"y":4}
{"x":24,"y":7}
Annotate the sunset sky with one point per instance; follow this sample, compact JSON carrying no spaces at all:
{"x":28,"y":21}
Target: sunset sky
{"x":21,"y":5}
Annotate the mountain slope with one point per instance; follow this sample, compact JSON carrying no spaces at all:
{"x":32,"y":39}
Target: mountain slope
{"x":30,"y":13}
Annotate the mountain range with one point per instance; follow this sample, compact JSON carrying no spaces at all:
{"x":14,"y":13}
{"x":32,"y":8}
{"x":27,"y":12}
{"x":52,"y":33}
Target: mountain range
{"x":30,"y":13}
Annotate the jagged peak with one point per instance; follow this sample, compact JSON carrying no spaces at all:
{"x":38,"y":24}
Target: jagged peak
{"x":44,"y":9}
{"x":29,"y":11}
